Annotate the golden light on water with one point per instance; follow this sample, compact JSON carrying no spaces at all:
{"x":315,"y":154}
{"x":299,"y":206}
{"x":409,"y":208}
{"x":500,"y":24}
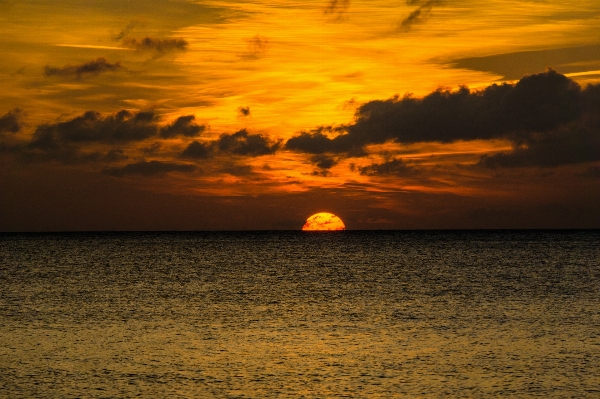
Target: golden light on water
{"x":323,"y":221}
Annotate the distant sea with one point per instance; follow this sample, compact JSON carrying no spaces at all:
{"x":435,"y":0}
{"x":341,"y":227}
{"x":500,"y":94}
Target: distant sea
{"x":357,"y":314}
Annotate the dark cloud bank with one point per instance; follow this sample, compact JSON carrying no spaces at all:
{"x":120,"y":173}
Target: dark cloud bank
{"x":76,"y":140}
{"x":548,"y":117}
{"x":122,"y":127}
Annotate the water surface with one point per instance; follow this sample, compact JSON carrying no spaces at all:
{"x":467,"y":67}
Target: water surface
{"x":292,"y":314}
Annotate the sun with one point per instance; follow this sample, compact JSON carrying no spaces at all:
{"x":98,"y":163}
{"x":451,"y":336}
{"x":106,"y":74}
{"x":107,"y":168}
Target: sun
{"x":323,"y":221}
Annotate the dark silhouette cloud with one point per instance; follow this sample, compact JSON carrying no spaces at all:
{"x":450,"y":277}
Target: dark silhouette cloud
{"x":323,"y":161}
{"x":244,"y":111}
{"x":239,"y":143}
{"x":321,"y":172}
{"x":124,"y":126}
{"x":237,"y":170}
{"x":577,"y":141}
{"x":257,"y":48}
{"x":244,"y":143}
{"x":419,"y":15}
{"x":394,"y":167}
{"x":536,"y":104}
{"x":182,"y":126}
{"x":312,"y":142}
{"x":160,"y":46}
{"x":92,"y":68}
{"x":197,"y":150}
{"x":10,"y":122}
{"x":568,"y":145}
{"x":151,"y":168}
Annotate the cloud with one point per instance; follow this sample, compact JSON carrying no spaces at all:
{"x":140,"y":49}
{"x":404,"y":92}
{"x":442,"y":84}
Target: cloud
{"x":160,"y":46}
{"x":91,"y":127}
{"x":323,"y":161}
{"x":244,"y":111}
{"x":568,"y":145}
{"x":237,"y":170}
{"x":577,"y":141}
{"x":312,"y":142}
{"x":92,"y":68}
{"x":419,"y":15}
{"x":257,"y":48}
{"x":394,"y":167}
{"x":515,"y":65}
{"x":125,"y":32}
{"x":151,"y":168}
{"x":197,"y":150}
{"x":152,"y":149}
{"x":321,"y":173}
{"x":244,"y":143}
{"x":182,"y":126}
{"x":239,"y":143}
{"x":10,"y":122}
{"x":337,"y":9}
{"x":538,"y":103}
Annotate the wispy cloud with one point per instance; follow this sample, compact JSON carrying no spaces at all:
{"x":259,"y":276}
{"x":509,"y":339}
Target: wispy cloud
{"x":156,"y":45}
{"x":336,"y":9}
{"x":257,"y":48}
{"x":92,"y":68}
{"x":418,"y":15}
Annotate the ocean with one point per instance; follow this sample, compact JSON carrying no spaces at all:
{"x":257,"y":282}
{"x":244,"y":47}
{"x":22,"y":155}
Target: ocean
{"x":350,"y":314}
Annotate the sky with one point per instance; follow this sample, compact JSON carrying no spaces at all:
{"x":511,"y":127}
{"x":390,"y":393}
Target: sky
{"x":254,"y":115}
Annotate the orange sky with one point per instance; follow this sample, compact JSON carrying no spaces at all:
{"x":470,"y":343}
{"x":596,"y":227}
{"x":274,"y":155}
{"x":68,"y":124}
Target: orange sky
{"x":227,"y":115}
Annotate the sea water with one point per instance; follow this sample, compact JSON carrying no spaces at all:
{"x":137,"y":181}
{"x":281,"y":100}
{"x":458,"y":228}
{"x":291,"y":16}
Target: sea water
{"x":300,"y":315}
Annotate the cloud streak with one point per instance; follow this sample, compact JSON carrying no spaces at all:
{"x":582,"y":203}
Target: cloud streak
{"x":394,"y":167}
{"x":92,"y":68}
{"x":337,"y":9}
{"x":419,"y":15}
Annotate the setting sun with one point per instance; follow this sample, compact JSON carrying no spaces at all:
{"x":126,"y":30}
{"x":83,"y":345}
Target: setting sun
{"x":323,"y":221}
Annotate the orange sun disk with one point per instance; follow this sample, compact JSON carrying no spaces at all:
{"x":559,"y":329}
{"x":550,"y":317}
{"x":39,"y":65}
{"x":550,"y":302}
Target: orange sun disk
{"x":323,"y":221}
